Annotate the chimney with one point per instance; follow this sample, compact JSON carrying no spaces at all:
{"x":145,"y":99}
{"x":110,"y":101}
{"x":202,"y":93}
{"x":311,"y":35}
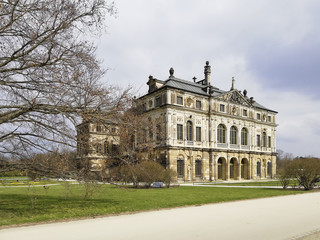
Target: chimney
{"x":207,"y":73}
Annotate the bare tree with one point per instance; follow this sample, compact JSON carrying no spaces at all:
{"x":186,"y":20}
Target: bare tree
{"x":49,"y":74}
{"x":305,"y":170}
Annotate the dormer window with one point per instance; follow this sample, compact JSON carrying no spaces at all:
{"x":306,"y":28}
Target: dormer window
{"x":245,"y":112}
{"x":179,"y":100}
{"x":269,"y":118}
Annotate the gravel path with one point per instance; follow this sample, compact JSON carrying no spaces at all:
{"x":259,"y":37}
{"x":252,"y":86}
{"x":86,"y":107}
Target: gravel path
{"x":288,"y":217}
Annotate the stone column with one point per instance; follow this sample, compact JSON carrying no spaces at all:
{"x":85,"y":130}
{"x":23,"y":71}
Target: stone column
{"x":251,"y":168}
{"x":215,"y":167}
{"x":193,"y":173}
{"x":228,"y":168}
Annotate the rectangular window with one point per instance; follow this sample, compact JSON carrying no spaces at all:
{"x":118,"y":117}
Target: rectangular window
{"x":150,"y":134}
{"x":269,"y":141}
{"x":179,"y":100}
{"x":144,"y":108}
{"x":258,"y":116}
{"x":158,"y":101}
{"x":198,"y":134}
{"x":180,"y":168}
{"x":144,"y":135}
{"x":258,"y":140}
{"x":245,"y":112}
{"x":198,"y":104}
{"x":222,"y":108}
{"x":264,"y":139}
{"x":158,"y":133}
{"x":198,"y":168}
{"x":269,"y":118}
{"x":179,"y":132}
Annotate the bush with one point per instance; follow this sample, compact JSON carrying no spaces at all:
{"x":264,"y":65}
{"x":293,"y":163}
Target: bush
{"x":305,"y":170}
{"x":146,"y":172}
{"x":168,"y":176}
{"x":284,"y":174}
{"x":149,"y":172}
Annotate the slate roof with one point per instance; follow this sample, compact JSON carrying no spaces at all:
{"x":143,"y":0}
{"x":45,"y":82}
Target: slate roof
{"x":198,"y":88}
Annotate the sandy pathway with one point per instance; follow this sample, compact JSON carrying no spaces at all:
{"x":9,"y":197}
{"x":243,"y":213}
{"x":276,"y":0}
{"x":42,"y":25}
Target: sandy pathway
{"x":288,"y":217}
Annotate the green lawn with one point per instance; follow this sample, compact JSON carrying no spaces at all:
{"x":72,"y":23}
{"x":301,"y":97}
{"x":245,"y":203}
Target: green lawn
{"x":37,"y":204}
{"x":258,"y":183}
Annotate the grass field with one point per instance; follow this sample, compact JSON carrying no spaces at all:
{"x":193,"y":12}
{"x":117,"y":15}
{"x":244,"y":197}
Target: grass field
{"x":20,"y":205}
{"x":258,"y":183}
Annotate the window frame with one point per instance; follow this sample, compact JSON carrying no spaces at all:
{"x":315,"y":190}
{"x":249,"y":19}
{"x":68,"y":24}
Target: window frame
{"x":179,"y":100}
{"x":198,"y":104}
{"x":258,"y":140}
{"x":222,"y":107}
{"x":269,"y":119}
{"x":157,"y":101}
{"x":198,"y":134}
{"x":180,"y":168}
{"x":258,"y":116}
{"x":179,"y":131}
{"x":158,"y":133}
{"x":189,"y":131}
{"x":233,"y":135}
{"x":244,"y":136}
{"x":269,"y":141}
{"x":221,"y":133}
{"x":245,"y":112}
{"x":198,"y":168}
{"x":264,"y":139}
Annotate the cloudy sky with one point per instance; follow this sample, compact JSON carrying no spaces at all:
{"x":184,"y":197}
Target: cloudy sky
{"x":271,"y":47}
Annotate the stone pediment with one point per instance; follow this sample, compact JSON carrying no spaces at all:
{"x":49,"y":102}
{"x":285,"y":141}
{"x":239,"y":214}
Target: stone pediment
{"x":234,"y":96}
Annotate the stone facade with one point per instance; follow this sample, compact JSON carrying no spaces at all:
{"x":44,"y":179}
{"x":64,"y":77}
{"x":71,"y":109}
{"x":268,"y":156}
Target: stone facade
{"x":204,"y":133}
{"x":201,"y":132}
{"x":96,"y":143}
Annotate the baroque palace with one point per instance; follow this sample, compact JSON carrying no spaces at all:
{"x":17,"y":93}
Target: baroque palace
{"x":204,"y":133}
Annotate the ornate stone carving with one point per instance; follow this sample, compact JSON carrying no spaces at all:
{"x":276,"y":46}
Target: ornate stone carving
{"x":234,"y":97}
{"x":189,"y":102}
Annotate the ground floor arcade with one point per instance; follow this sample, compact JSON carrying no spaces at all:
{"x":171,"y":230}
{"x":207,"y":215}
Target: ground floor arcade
{"x":200,"y":165}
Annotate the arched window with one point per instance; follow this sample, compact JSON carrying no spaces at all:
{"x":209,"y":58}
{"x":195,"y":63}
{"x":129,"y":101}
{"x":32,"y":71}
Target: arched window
{"x":189,"y":131}
{"x":221,"y":134}
{"x":259,"y":169}
{"x":233,"y":135}
{"x":180,"y":168}
{"x":244,"y":136}
{"x":269,"y":169}
{"x":198,"y":168}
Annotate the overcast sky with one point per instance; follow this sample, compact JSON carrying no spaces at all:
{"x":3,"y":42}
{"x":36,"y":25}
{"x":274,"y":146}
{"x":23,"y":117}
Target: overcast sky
{"x":271,"y":47}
